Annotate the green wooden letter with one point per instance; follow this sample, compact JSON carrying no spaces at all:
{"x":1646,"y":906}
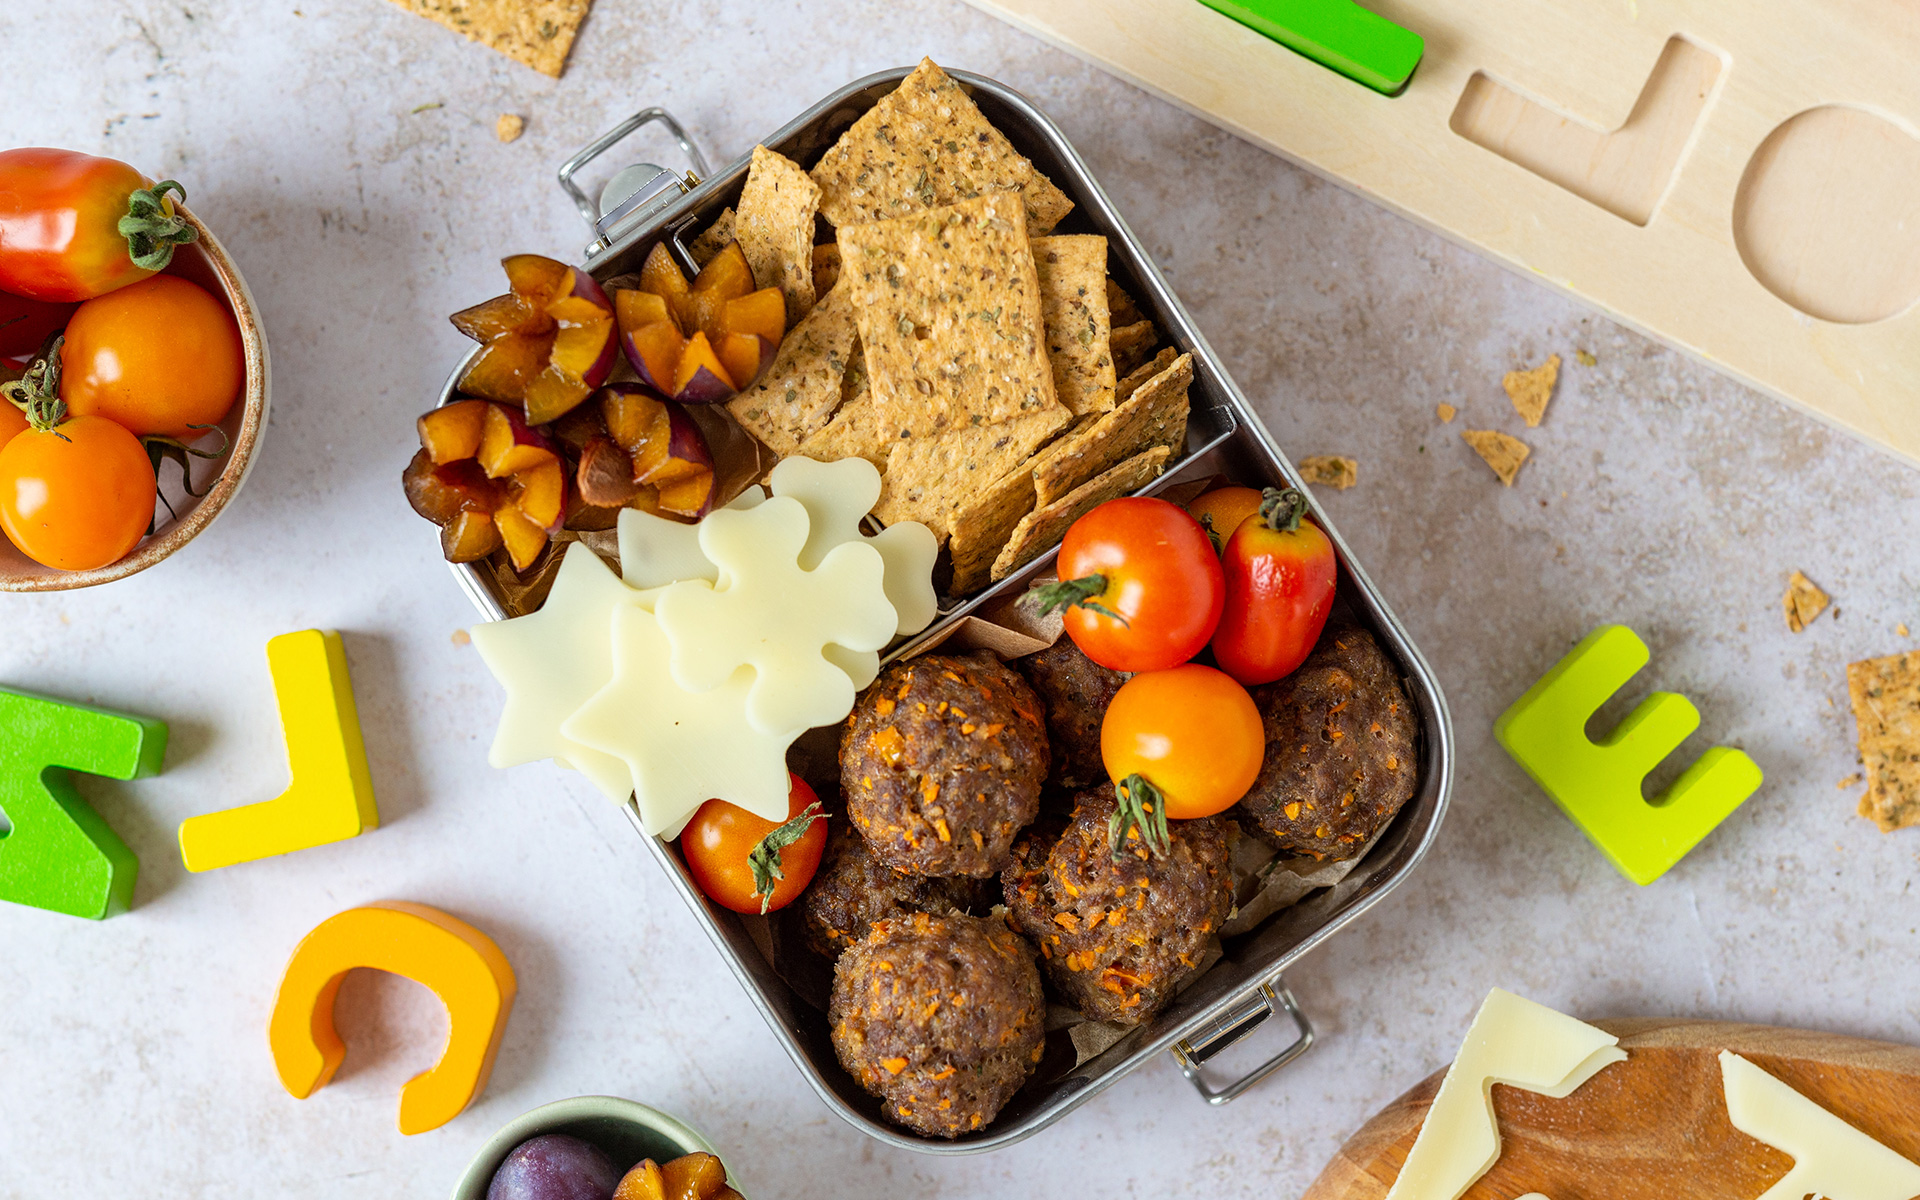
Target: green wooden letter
{"x":1339,"y":34}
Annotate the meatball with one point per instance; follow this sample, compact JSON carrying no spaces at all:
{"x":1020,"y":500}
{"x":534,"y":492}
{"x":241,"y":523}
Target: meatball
{"x":853,"y":889}
{"x":1118,"y":937}
{"x":1075,"y":691}
{"x":1340,"y":750}
{"x":940,"y":1017}
{"x":942,"y":762}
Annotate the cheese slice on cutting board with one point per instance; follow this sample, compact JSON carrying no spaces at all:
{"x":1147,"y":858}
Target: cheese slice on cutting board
{"x":1830,"y":1157}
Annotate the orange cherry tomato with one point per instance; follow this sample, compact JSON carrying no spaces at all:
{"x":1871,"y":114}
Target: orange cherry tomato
{"x":1191,"y":732}
{"x":77,"y":496}
{"x":157,"y":357}
{"x":1140,"y":583}
{"x":61,"y":231}
{"x":1221,"y":510}
{"x":1280,"y":579}
{"x":723,"y":839}
{"x":12,"y":421}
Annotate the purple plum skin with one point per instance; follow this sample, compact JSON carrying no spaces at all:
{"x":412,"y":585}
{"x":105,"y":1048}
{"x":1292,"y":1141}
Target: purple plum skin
{"x":554,"y":1166}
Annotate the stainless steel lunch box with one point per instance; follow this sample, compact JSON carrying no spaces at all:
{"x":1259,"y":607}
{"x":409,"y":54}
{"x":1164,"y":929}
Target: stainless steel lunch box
{"x":645,"y":204}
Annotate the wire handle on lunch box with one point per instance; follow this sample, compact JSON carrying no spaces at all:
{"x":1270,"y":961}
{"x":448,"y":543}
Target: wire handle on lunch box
{"x":1269,"y":998}
{"x":641,"y":193}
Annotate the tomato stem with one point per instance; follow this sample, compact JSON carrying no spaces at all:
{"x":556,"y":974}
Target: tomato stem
{"x":153,"y":228}
{"x":764,"y":859}
{"x":1138,"y":805}
{"x":1282,"y":508}
{"x":37,"y":392}
{"x":1074,"y":593}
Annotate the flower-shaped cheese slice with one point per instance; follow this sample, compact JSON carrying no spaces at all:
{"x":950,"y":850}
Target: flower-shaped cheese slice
{"x":655,"y":551}
{"x":837,"y":495}
{"x":550,"y":662}
{"x":683,"y":748}
{"x":776,"y":617}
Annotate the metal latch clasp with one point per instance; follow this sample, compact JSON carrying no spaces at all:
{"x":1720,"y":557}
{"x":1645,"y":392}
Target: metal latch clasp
{"x":1270,"y":998}
{"x":636,"y":192}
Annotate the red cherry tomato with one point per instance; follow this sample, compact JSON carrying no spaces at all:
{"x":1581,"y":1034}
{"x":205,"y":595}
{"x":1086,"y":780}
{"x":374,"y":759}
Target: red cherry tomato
{"x":1280,"y":579}
{"x":76,"y":496}
{"x":159,"y":357}
{"x":722,"y":841}
{"x":73,"y":226}
{"x":1140,"y":583}
{"x":25,"y":324}
{"x":1192,"y":735}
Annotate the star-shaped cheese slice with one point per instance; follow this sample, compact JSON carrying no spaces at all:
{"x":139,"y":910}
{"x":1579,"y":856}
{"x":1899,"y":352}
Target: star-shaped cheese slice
{"x":837,"y":495}
{"x":776,"y":617}
{"x":682,"y":748}
{"x":655,"y":551}
{"x":550,"y":662}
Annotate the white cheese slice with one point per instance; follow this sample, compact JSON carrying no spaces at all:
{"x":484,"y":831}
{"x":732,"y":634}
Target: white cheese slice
{"x":837,"y":495}
{"x":655,"y":551}
{"x":1830,"y":1157}
{"x":1512,"y":1041}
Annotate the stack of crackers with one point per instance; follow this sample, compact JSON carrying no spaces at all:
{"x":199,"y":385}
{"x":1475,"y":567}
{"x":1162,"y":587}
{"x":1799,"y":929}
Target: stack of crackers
{"x":1002,"y":383}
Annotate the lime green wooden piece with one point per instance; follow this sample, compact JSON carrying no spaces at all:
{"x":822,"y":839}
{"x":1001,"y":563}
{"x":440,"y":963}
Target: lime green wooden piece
{"x":1338,"y":34}
{"x":59,"y":854}
{"x":1599,"y":784}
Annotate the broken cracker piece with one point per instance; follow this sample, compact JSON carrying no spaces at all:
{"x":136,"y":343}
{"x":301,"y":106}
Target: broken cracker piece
{"x":1120,"y":306}
{"x":1530,"y":390}
{"x":538,"y":33}
{"x":1886,"y":711}
{"x":774,"y":226}
{"x":948,"y":305}
{"x":1145,"y":371}
{"x":1802,"y":602}
{"x":1132,"y":344}
{"x":1155,"y":415}
{"x":980,"y":530}
{"x":826,"y":267}
{"x":929,"y":479}
{"x":1042,"y":529}
{"x":1073,"y":308}
{"x":1585,"y":358}
{"x":855,"y":430}
{"x":712,"y":240}
{"x":804,"y":384}
{"x":1446,"y":413}
{"x":1332,"y":470}
{"x":509,"y":127}
{"x":1505,"y":453}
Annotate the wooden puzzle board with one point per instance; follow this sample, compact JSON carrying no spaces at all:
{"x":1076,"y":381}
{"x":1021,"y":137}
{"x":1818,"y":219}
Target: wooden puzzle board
{"x":1740,"y":180}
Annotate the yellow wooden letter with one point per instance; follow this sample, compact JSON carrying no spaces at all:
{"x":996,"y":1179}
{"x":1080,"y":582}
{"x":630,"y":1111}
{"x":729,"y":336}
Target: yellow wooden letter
{"x":331,"y":795}
{"x":449,"y":957}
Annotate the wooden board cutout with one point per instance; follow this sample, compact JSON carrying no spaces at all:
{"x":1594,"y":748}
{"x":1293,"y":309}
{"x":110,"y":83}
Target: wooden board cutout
{"x":1656,"y":1126}
{"x":1681,"y":277}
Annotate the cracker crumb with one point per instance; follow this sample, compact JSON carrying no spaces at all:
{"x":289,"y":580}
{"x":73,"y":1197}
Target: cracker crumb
{"x":461,"y":637}
{"x":1852,"y":780}
{"x":1803,"y":602}
{"x":1585,"y":358}
{"x":1901,"y":629}
{"x":1505,"y":453}
{"x":1333,"y":470}
{"x":1447,"y":412}
{"x":1886,"y":710}
{"x":509,"y":126}
{"x":1531,"y":389}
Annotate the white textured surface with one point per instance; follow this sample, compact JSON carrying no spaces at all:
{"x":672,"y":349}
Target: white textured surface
{"x":133,"y":1058}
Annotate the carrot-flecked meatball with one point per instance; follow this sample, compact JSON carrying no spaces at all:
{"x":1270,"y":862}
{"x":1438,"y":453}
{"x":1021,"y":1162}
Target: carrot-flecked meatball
{"x":1340,"y":750}
{"x":940,"y":1017}
{"x":1118,"y":938}
{"x":1075,"y":691}
{"x":853,"y":889}
{"x":941,"y":764}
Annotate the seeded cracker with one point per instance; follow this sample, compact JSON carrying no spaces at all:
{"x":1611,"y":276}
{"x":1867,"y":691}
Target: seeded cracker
{"x":1073,"y":306}
{"x":1504,"y":453}
{"x":803,"y":386}
{"x":775,"y":228}
{"x":855,"y":431}
{"x":536,"y":32}
{"x":1155,"y":415}
{"x":1803,"y":602}
{"x":1145,"y":371}
{"x":1530,"y":390}
{"x":1120,"y":307}
{"x":926,"y":144}
{"x":1042,"y":529}
{"x":1330,"y":470}
{"x":1132,"y":344}
{"x":712,"y":240}
{"x":948,"y":304}
{"x":929,"y":479}
{"x":982,"y":528}
{"x":826,"y":268}
{"x":1886,"y":708}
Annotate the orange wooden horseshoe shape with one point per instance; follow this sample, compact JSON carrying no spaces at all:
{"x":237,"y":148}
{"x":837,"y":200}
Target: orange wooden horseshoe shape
{"x":451,"y":958}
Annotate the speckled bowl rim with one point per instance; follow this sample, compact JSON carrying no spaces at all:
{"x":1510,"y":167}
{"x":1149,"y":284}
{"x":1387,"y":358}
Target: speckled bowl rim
{"x":239,"y":459}
{"x":479,"y":1173}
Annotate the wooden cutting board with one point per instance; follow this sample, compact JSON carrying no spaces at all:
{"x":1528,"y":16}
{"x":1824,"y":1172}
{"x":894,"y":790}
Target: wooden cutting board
{"x":1654,"y":1127}
{"x":1737,"y":180}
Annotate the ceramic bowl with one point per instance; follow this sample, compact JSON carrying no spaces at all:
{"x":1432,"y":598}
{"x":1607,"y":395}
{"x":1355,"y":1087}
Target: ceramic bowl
{"x":627,"y":1130}
{"x":206,"y":263}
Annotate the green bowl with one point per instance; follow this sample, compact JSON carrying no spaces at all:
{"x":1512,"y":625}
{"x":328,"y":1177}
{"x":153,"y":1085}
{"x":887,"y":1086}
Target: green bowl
{"x":627,"y":1130}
